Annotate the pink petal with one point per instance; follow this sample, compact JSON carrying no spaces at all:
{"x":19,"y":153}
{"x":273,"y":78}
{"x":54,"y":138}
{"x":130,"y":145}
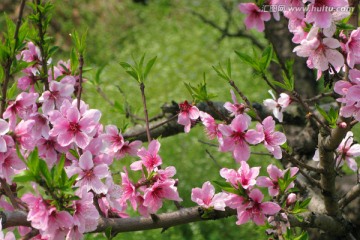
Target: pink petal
{"x":86,"y":161}
{"x":270,"y":208}
{"x":264,"y":182}
{"x":241,"y":151}
{"x":101,"y":171}
{"x":256,"y":195}
{"x":82,"y":140}
{"x":243,"y":217}
{"x":194,"y":113}
{"x":65,"y":138}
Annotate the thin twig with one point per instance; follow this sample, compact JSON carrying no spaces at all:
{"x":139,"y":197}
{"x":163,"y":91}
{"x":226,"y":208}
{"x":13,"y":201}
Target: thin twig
{"x":41,"y":47}
{"x":154,"y":127}
{"x":246,"y":100}
{"x":208,"y":143}
{"x":308,"y":110}
{"x":142,"y":88}
{"x":213,"y":159}
{"x":222,"y":116}
{"x":81,"y":64}
{"x":104,"y":96}
{"x":318,"y":97}
{"x":301,"y":164}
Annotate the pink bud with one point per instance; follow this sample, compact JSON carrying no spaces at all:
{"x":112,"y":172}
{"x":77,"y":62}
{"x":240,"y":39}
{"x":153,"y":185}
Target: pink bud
{"x":291,"y":199}
{"x":342,"y":124}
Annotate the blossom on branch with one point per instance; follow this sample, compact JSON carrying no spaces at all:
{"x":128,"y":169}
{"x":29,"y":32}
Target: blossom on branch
{"x":188,"y":113}
{"x":206,"y":197}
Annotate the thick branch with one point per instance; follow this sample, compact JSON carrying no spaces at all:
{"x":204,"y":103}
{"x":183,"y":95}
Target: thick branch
{"x":184,"y":216}
{"x":350,"y":196}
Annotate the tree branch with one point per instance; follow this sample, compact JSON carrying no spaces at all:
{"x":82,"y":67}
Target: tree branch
{"x":350,"y":196}
{"x":185,"y":216}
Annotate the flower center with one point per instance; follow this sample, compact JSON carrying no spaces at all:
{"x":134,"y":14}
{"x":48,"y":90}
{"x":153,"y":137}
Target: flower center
{"x":74,"y":127}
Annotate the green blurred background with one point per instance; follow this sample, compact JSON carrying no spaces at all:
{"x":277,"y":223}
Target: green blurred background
{"x":186,"y":48}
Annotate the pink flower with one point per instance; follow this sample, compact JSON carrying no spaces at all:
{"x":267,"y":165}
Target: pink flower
{"x":59,"y":224}
{"x":4,"y":128}
{"x":318,"y":14}
{"x":255,"y":209}
{"x":352,"y":103}
{"x":235,"y":108}
{"x":273,"y":139}
{"x":236,"y":137}
{"x":24,"y":134}
{"x":187,"y":114}
{"x":211,"y":127}
{"x":20,"y":107}
{"x":165,"y":174}
{"x":113,"y":195}
{"x":149,"y":158}
{"x":129,"y":190}
{"x":38,"y":211}
{"x":10,"y":164}
{"x":54,"y":97}
{"x":89,"y":174}
{"x":128,"y":149}
{"x":256,"y":17}
{"x":245,"y":176}
{"x":206,"y":197}
{"x":278,"y":106}
{"x":32,"y":54}
{"x":154,"y":195}
{"x":347,"y":151}
{"x":113,"y":139}
{"x":297,"y":27}
{"x":85,"y":215}
{"x":49,"y":149}
{"x":320,"y":52}
{"x":272,"y":182}
{"x":72,"y":126}
{"x":353,"y":48}
{"x":29,"y":80}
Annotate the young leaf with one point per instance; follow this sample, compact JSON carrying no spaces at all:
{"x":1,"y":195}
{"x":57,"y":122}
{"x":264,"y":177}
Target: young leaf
{"x":266,"y":58}
{"x":249,"y":61}
{"x":149,"y":65}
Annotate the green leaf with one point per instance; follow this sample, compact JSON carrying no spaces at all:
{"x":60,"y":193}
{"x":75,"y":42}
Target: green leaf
{"x":97,"y":75}
{"x":226,"y":187}
{"x":45,"y":172}
{"x":10,"y":93}
{"x":303,"y":236}
{"x":266,"y":58}
{"x":149,"y":65}
{"x":119,"y":107}
{"x":53,"y":50}
{"x":305,"y":203}
{"x":249,"y":61}
{"x":108,"y":233}
{"x":33,"y":162}
{"x":24,"y":176}
{"x":59,"y":168}
{"x":343,"y":26}
{"x":74,"y":61}
{"x":74,"y":153}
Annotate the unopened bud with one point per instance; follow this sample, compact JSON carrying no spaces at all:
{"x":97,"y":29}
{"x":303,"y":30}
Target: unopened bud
{"x":342,"y":124}
{"x":291,"y":199}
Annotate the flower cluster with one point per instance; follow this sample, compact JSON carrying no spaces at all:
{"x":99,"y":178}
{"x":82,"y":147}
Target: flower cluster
{"x":57,"y":125}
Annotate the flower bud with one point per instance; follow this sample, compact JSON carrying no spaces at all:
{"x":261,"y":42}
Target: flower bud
{"x":290,"y":199}
{"x":342,"y":124}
